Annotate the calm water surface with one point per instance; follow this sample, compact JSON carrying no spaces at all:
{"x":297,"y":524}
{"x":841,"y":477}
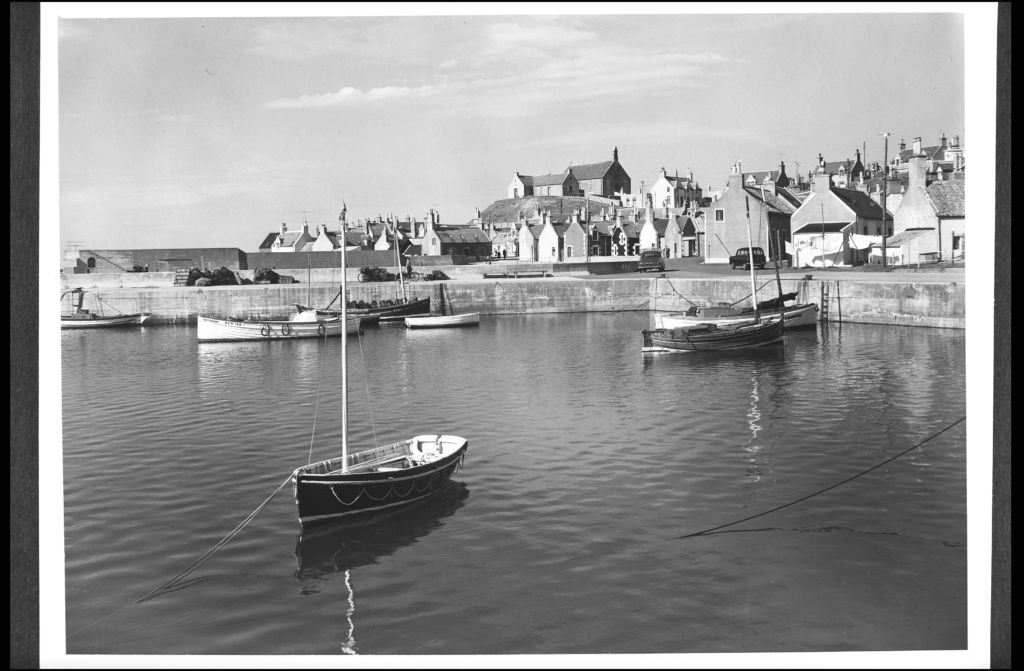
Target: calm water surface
{"x":586,"y":462}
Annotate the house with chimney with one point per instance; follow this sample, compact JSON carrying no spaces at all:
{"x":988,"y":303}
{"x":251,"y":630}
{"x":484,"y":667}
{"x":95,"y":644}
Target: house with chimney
{"x":287,"y":241}
{"x":930,"y":222}
{"x":947,"y":155}
{"x":824,"y":225}
{"x":675,"y":191}
{"x":675,"y":232}
{"x":845,"y":174}
{"x":767,"y":207}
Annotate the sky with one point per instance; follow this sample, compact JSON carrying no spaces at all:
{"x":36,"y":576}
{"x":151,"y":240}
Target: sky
{"x":211,"y":132}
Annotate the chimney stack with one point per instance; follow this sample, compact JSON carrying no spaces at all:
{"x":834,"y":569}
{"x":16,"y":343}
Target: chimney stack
{"x":942,"y":140}
{"x":918,"y":168}
{"x":956,"y":141}
{"x":903,"y":145}
{"x":284,"y":228}
{"x":917,"y":145}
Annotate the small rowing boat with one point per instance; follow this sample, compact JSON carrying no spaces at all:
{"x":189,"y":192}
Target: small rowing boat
{"x":796,"y":316}
{"x":443,"y":320}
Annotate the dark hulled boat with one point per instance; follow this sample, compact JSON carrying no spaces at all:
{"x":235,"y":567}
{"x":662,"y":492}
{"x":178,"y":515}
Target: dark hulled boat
{"x":395,"y":311}
{"x":385,"y":477}
{"x":711,"y":337}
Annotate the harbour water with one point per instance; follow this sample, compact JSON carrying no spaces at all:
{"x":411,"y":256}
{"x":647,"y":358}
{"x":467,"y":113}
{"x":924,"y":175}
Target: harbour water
{"x":587,"y":462}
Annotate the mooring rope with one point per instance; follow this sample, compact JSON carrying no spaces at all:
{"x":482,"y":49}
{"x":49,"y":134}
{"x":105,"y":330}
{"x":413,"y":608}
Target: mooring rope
{"x":809,"y":496}
{"x":196,"y":564}
{"x":107,"y":304}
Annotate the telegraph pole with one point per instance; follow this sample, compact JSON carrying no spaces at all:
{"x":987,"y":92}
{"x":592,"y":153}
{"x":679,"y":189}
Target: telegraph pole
{"x":885,"y":198}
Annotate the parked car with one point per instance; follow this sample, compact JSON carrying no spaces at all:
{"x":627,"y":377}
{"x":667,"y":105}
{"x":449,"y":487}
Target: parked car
{"x":742,"y":258}
{"x":650,"y":259}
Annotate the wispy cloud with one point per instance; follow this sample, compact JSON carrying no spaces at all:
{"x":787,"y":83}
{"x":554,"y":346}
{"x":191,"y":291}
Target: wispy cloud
{"x":351,"y":96}
{"x":521,"y":68}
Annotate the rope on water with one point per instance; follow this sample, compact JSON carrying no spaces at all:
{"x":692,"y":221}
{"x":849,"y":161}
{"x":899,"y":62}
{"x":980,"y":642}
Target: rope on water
{"x":804,"y":498}
{"x":196,"y":564}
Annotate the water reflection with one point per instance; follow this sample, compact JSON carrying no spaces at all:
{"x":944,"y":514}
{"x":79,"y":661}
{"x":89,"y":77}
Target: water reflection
{"x":328,"y":549}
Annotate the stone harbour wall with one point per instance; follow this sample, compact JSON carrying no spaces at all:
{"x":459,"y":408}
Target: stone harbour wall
{"x":917,"y":303}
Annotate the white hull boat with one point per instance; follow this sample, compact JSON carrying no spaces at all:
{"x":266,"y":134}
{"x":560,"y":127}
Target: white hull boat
{"x":795,"y":317}
{"x":470,"y":319}
{"x":214,"y":330}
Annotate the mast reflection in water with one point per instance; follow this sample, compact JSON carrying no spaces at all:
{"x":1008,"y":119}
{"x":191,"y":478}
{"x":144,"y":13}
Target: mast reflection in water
{"x":339,"y":547}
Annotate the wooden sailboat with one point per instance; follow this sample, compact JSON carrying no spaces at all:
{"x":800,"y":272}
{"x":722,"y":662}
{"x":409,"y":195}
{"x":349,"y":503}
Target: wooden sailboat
{"x":443,"y":320}
{"x":79,"y":317}
{"x":371,"y":480}
{"x":793,"y":316}
{"x":748,"y":334}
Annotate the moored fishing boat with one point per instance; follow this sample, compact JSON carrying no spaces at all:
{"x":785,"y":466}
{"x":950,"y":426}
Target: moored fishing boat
{"x":753,"y":333}
{"x":80,"y":317}
{"x":711,"y":337}
{"x":796,"y":316}
{"x":370,"y":480}
{"x":392,"y":311}
{"x":213,"y":330}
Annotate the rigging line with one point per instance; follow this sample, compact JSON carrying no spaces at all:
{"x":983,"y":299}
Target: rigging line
{"x":853,"y":477}
{"x":366,"y":384}
{"x":316,"y":409}
{"x":106,"y":303}
{"x":749,"y":295}
{"x":196,"y":564}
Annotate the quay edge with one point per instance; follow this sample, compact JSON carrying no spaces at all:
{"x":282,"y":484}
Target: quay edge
{"x":931,"y":302}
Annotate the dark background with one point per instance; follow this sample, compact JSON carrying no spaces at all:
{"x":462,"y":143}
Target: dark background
{"x":24,"y":370}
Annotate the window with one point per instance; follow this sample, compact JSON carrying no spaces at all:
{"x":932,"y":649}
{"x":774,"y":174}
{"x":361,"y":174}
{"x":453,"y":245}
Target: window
{"x":515,"y":193}
{"x":675,"y":250}
{"x":568,"y":251}
{"x":433,"y":243}
{"x":553,"y":251}
{"x":719,"y":215}
{"x":91,"y":263}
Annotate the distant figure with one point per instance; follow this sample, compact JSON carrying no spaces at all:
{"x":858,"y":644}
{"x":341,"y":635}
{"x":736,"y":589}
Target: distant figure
{"x":408,"y":267}
{"x":504,"y":254}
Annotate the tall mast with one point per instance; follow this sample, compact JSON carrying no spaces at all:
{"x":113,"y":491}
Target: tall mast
{"x":344,"y":352}
{"x":750,"y":259}
{"x":398,"y":260}
{"x":778,"y":251}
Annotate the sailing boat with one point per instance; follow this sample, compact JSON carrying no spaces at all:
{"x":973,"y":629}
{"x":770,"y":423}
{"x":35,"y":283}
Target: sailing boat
{"x":746,"y":334}
{"x":795,"y":316}
{"x":443,"y":320}
{"x":388,"y":310}
{"x":79,"y":317}
{"x":375,"y":479}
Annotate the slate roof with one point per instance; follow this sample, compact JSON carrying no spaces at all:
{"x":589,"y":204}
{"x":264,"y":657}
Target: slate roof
{"x":774,"y":203}
{"x":268,"y":242}
{"x":550,"y":180}
{"x":591,"y":170}
{"x":534,"y":230}
{"x":560,"y":229}
{"x":929,"y":152}
{"x":759,"y":175}
{"x":947,"y":198}
{"x":462,"y":235}
{"x":794,"y":200}
{"x":660,"y":226}
{"x":527,"y":180}
{"x":354,"y":238}
{"x":860,"y":203}
{"x":288,"y":239}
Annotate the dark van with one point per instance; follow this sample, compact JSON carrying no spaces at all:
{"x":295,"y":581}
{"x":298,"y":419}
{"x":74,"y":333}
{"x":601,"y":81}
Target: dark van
{"x":742,"y":258}
{"x":650,"y":259}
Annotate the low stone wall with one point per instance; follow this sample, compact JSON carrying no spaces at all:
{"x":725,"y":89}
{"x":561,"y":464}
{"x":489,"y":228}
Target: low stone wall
{"x":936,"y":304}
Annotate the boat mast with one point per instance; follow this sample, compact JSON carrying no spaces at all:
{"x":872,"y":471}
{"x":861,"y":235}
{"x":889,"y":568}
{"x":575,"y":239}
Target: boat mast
{"x":344,"y":351}
{"x":750,"y":259}
{"x":778,"y":251}
{"x":398,"y":260}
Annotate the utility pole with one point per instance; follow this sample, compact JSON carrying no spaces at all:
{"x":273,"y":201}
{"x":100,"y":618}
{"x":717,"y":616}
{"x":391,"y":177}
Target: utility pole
{"x":885,"y":197}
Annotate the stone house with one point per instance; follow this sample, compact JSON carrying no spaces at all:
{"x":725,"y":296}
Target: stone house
{"x":602,"y":179}
{"x":675,"y":191}
{"x":287,"y":241}
{"x":931,"y":218}
{"x":823,"y":225}
{"x":767,"y":207}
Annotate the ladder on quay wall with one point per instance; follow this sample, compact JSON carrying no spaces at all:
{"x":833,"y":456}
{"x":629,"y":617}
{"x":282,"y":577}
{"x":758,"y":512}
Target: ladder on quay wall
{"x":824,"y":301}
